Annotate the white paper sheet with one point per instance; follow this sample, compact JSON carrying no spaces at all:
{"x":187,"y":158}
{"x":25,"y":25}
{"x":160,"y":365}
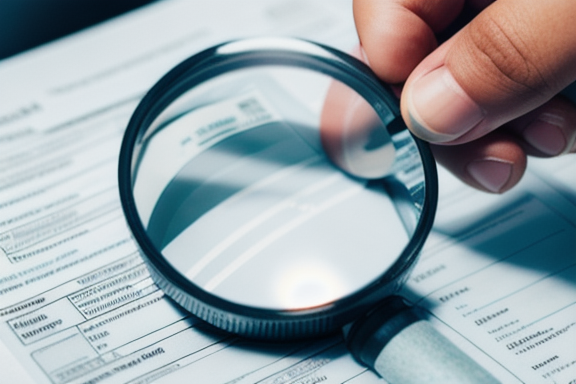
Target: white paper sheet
{"x":77,"y":304}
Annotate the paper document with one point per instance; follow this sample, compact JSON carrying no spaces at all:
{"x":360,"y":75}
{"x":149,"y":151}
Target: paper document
{"x":77,"y":305}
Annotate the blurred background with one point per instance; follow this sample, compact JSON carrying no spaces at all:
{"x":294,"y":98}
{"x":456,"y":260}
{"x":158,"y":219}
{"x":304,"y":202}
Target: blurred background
{"x":25,"y":24}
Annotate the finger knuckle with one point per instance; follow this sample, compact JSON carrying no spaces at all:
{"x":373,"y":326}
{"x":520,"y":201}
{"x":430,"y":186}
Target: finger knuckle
{"x":510,"y":58}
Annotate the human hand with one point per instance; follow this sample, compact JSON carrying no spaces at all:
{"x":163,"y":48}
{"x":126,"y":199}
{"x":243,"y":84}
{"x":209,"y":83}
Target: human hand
{"x":488,"y":96}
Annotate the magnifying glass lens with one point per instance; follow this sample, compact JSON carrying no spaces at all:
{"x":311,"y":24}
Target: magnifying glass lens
{"x":239,"y":199}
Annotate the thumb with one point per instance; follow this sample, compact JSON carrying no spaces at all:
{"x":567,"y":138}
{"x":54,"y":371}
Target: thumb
{"x":512,"y":58}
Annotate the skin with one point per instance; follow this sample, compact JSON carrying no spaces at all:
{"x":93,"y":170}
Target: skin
{"x":495,"y":81}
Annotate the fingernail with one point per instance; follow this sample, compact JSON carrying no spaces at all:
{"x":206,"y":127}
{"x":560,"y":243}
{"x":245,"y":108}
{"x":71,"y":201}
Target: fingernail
{"x":491,"y":174}
{"x":363,"y":55}
{"x":439,"y":109}
{"x":367,"y":149}
{"x":545,"y":134}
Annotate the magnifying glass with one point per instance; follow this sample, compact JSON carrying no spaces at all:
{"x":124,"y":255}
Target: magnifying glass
{"x":231,"y":180}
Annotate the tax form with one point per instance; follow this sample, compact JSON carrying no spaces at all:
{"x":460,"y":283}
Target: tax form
{"x":497,"y":276}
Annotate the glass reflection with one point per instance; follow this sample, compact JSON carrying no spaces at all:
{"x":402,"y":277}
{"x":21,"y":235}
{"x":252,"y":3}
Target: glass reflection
{"x":235,"y":190}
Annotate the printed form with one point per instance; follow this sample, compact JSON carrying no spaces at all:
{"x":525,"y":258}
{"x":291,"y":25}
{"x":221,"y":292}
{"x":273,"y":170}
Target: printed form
{"x":497,"y":276}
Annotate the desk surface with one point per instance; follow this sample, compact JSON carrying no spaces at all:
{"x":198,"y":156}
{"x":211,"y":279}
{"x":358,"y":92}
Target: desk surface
{"x":25,"y":24}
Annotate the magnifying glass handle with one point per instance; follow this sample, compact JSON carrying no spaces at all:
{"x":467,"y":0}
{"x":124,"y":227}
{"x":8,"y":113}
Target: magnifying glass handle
{"x":404,"y":349}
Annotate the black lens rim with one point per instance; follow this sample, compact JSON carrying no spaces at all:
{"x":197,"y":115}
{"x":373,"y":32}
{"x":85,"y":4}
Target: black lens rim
{"x":239,"y":319}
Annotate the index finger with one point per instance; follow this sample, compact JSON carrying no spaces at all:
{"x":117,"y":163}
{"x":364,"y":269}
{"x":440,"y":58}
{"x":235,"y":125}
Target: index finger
{"x":397,"y":34}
